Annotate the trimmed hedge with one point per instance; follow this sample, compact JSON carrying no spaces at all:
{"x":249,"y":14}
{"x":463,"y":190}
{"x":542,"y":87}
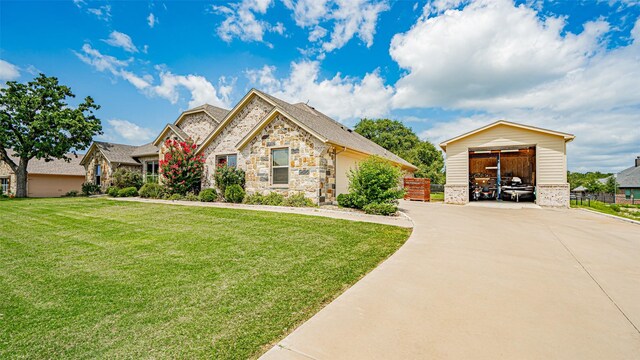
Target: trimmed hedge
{"x":128,"y":192}
{"x":234,"y":194}
{"x":208,"y":195}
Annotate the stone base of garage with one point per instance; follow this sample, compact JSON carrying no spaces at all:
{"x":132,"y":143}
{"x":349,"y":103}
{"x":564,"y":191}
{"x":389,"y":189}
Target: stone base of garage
{"x":456,"y":194}
{"x":554,"y":195}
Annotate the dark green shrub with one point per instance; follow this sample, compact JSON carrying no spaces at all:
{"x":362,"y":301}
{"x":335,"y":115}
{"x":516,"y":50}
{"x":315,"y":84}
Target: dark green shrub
{"x":380,"y":209}
{"x":90,"y":188}
{"x":128,"y":192}
{"x":615,"y":207}
{"x":298,"y":200}
{"x":234,"y":194}
{"x":375,"y":180}
{"x":191,"y":197}
{"x":273,"y":199}
{"x":124,"y":178}
{"x":72,"y":193}
{"x":208,"y":195}
{"x":113,"y":191}
{"x":226,"y":176}
{"x":175,"y":197}
{"x":254,"y":199}
{"x":346,"y":200}
{"x":152,"y":191}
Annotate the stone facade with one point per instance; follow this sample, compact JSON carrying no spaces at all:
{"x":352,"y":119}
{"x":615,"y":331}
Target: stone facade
{"x":198,"y":126}
{"x":311,"y":162}
{"x":556,"y":195}
{"x":225,"y":143}
{"x":6,"y":172}
{"x":456,"y":194}
{"x":96,"y":158}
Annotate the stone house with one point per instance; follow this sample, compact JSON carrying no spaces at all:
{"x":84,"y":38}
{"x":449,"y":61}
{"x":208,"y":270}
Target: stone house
{"x":629,"y":184}
{"x":45,"y":178}
{"x":282,"y":147}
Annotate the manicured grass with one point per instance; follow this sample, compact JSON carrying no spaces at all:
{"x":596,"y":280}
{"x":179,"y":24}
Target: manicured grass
{"x":437,"y":196}
{"x":626,"y":211}
{"x":94,"y":278}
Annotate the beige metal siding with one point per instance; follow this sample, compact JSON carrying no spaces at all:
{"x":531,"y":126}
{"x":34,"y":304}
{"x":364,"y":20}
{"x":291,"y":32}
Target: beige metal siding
{"x":345,"y":161}
{"x":52,"y":185}
{"x":551,"y":161}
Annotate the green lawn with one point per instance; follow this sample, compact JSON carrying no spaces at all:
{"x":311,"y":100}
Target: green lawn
{"x":437,"y":196}
{"x":626,"y":211}
{"x":94,"y":278}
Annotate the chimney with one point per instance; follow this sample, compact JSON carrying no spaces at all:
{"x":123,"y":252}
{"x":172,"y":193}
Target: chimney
{"x":638,"y":161}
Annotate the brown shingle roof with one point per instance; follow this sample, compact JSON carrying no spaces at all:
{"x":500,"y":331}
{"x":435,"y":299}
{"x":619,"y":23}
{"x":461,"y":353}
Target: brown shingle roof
{"x":145,"y":150}
{"x":118,"y":153}
{"x":333,"y":130}
{"x":55,"y":166}
{"x":218,"y":113}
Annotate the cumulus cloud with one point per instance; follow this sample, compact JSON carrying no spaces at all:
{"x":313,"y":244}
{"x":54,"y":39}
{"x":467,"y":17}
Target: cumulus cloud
{"x":200,"y":89}
{"x":133,"y":133}
{"x":121,"y":40}
{"x":529,"y":70}
{"x":241,"y":22}
{"x":341,"y":97}
{"x":102,"y":12}
{"x":152,"y":20}
{"x":8,"y":71}
{"x":347,"y":19}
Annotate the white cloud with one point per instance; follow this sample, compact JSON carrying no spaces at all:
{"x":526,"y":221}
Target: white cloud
{"x":199,"y":88}
{"x":130,"y":131}
{"x":152,"y":20}
{"x":8,"y":71}
{"x":102,"y":12}
{"x":348,"y":18}
{"x":121,"y":40}
{"x":341,"y":97}
{"x":240,"y":21}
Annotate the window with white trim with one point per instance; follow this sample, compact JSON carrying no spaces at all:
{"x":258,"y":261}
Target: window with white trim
{"x":280,"y":166}
{"x":152,"y":170}
{"x":4,"y":184}
{"x":230,"y":160}
{"x":98,"y":174}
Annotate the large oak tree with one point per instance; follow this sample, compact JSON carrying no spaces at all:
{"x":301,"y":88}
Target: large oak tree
{"x":402,"y":141}
{"x":37,"y":122}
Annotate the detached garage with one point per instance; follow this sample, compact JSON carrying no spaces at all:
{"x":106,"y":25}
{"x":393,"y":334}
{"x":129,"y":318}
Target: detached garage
{"x":45,"y":179}
{"x":506,"y":161}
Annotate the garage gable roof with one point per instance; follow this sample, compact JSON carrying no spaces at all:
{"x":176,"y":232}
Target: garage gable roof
{"x":53,"y":167}
{"x":567,"y":137}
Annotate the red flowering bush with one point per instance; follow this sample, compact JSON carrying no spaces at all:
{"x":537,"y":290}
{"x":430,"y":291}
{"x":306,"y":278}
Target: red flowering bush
{"x":181,"y":167}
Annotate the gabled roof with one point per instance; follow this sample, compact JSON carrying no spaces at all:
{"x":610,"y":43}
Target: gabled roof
{"x":53,"y":167}
{"x":629,"y":178}
{"x":170,"y":127}
{"x":115,"y":153}
{"x":316,"y":123}
{"x":567,"y":137}
{"x":216,"y":113}
{"x":145,"y":150}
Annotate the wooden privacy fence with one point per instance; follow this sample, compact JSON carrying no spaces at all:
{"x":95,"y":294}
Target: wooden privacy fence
{"x":417,"y":189}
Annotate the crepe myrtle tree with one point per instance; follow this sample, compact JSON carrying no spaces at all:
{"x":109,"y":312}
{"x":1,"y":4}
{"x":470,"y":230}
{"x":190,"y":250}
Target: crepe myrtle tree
{"x":181,"y":167}
{"x":37,"y":122}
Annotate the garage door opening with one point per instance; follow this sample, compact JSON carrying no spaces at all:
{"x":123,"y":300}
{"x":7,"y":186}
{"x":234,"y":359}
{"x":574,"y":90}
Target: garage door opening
{"x":506,"y":173}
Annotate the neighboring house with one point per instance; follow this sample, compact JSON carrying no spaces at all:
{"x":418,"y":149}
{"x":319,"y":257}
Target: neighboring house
{"x":629,"y":184}
{"x":45,"y":178}
{"x":504,"y":150}
{"x":282,"y":147}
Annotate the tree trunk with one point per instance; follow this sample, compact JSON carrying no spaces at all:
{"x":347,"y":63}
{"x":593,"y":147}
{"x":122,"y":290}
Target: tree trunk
{"x":21,"y":178}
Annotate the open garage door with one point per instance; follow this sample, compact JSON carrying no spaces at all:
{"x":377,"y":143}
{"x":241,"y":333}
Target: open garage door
{"x":506,"y":173}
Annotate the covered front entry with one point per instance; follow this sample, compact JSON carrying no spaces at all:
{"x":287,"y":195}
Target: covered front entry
{"x":503,"y":173}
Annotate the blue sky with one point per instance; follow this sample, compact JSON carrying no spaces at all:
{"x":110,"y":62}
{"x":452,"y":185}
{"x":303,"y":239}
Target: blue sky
{"x":443,"y":67}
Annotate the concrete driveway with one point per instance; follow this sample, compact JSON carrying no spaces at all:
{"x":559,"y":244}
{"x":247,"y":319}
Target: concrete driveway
{"x":489,"y":283}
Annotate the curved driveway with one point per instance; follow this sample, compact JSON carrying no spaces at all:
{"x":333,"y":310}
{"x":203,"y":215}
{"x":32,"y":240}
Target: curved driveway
{"x":489,"y":283}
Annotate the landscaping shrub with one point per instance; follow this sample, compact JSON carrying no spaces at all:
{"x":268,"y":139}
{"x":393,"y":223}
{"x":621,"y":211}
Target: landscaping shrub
{"x":181,"y":167}
{"x":380,"y":209}
{"x":346,"y":200}
{"x":226,"y":176}
{"x":113,"y":191}
{"x":615,"y":207}
{"x":375,"y":180}
{"x":125,"y":178}
{"x":90,"y":188}
{"x":254,"y":199}
{"x":234,"y":194}
{"x":298,"y":200}
{"x":128,"y":192}
{"x":273,"y":199}
{"x":175,"y":197}
{"x":71,"y":193}
{"x":208,"y":195}
{"x":152,"y":191}
{"x":191,"y":197}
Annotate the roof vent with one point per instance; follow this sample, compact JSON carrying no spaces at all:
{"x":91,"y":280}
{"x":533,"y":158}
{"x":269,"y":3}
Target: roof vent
{"x":638,"y":161}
